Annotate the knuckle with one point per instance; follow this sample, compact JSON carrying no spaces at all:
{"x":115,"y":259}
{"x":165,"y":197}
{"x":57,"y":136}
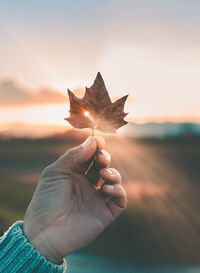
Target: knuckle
{"x":48,"y":170}
{"x":70,"y":153}
{"x":120,"y":189}
{"x":45,"y":171}
{"x":117,"y":174}
{"x":106,"y":155}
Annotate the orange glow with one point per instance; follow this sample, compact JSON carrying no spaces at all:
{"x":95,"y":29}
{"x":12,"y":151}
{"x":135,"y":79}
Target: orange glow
{"x":53,"y":114}
{"x":64,"y":85}
{"x":137,"y":190}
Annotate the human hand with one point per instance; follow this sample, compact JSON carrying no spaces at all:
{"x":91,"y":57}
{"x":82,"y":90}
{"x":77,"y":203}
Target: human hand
{"x":66,"y":212}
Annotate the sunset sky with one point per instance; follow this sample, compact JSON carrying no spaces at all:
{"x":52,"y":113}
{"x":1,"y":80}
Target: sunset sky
{"x":149,"y":49}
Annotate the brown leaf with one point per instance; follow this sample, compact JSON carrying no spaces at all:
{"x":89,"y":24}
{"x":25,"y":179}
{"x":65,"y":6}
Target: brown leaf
{"x":96,"y":110}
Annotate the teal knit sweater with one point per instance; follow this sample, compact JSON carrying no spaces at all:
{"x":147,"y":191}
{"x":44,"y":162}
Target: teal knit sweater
{"x":17,"y":254}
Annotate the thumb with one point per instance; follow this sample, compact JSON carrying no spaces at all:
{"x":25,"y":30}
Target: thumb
{"x":85,"y":151}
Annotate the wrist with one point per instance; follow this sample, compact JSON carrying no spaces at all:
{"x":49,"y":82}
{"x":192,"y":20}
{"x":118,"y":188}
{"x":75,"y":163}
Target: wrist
{"x":41,"y":242}
{"x":19,"y":255}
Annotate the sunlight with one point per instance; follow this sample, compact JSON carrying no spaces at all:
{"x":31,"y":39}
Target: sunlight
{"x":87,"y":114}
{"x":64,"y":85}
{"x":159,"y":191}
{"x":40,"y":114}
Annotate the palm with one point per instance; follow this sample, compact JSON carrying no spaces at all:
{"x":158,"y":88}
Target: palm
{"x":81,"y":213}
{"x":67,"y":212}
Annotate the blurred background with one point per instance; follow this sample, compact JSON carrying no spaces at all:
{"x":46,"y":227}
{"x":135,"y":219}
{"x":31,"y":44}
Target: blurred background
{"x":149,"y":49}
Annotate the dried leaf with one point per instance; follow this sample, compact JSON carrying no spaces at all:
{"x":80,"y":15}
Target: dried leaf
{"x":96,"y":110}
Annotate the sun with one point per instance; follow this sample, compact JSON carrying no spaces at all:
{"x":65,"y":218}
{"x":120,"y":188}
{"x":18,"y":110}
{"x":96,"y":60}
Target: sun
{"x":87,"y":114}
{"x":64,"y":85}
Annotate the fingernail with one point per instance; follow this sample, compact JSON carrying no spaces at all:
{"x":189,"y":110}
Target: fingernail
{"x":111,"y":187}
{"x":107,"y":156}
{"x":88,"y":142}
{"x":110,"y":171}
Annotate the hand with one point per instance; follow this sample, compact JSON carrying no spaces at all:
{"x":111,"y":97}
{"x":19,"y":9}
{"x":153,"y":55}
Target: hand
{"x":66,"y":211}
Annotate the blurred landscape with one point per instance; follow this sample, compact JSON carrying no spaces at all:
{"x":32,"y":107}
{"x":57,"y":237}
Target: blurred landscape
{"x":147,"y":49}
{"x":161,"y":226}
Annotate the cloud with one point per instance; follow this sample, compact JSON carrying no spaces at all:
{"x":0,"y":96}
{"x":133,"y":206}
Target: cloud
{"x":12,"y":93}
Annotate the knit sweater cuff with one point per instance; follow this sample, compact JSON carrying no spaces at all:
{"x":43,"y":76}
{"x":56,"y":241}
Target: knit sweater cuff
{"x":17,"y":254}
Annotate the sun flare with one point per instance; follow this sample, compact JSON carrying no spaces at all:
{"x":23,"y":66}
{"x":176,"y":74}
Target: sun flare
{"x":87,"y":114}
{"x":64,"y":85}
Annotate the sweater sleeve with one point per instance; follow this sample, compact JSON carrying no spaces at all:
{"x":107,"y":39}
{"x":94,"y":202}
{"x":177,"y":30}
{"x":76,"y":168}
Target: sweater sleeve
{"x":18,"y":255}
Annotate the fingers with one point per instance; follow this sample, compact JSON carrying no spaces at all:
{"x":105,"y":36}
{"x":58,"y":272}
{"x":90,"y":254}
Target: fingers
{"x":118,"y":199}
{"x":111,"y":176}
{"x":85,"y":151}
{"x":102,"y":159}
{"x":114,"y":190}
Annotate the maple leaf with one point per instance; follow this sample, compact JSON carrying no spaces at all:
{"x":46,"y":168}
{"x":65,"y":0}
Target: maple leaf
{"x":96,"y":110}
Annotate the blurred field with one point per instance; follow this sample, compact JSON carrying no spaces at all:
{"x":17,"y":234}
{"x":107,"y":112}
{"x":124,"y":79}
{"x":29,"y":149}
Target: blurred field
{"x":162,"y":178}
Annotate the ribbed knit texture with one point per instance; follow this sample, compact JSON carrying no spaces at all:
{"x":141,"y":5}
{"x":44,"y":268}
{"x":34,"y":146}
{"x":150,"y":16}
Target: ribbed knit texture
{"x":17,"y":254}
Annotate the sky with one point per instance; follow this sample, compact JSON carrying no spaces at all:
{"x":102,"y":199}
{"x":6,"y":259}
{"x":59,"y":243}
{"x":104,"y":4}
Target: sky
{"x":147,"y":49}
